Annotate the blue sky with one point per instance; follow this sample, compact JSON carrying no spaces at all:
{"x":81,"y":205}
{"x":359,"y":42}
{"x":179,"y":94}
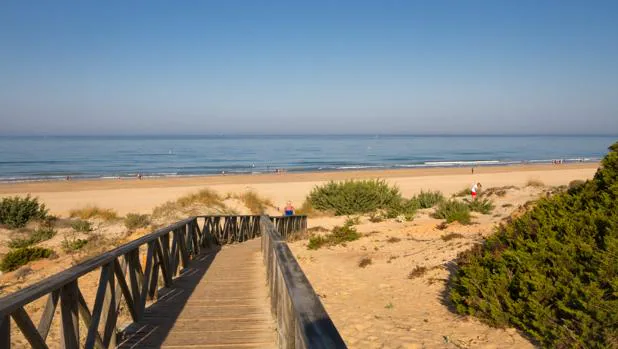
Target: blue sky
{"x":204,"y":67}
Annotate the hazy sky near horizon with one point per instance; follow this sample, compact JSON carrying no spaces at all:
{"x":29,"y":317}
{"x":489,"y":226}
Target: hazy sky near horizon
{"x":204,"y":67}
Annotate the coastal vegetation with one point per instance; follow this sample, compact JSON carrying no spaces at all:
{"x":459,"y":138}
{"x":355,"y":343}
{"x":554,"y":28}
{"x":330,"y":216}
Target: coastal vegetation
{"x":16,"y":211}
{"x":553,"y":271}
{"x":73,"y":244}
{"x":254,"y":202}
{"x":480,"y":205}
{"x":339,"y":235}
{"x":21,"y":256}
{"x":39,"y":235}
{"x":453,"y":210}
{"x":134,"y":221}
{"x":81,"y":226}
{"x":90,"y":212}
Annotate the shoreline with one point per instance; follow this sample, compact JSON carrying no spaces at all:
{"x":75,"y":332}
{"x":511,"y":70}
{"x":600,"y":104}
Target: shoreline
{"x":270,"y":177}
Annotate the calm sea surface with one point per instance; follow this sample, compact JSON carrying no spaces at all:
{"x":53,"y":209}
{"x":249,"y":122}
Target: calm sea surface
{"x":38,"y":158}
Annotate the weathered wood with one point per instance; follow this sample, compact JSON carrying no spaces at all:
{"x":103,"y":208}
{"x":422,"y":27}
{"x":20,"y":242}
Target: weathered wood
{"x":126,"y":291}
{"x":92,"y":321}
{"x":111,"y":315}
{"x":27,"y":328}
{"x":70,"y":316}
{"x":48,"y":313}
{"x":5,"y":331}
{"x":301,"y":317}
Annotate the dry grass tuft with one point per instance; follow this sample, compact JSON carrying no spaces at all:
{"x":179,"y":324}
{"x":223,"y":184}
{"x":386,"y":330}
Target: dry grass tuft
{"x":417,"y":272}
{"x":536,"y":183}
{"x":253,"y":201}
{"x":364,"y":262}
{"x":393,"y":240}
{"x":205,"y":201}
{"x":451,"y":236}
{"x":89,"y":212}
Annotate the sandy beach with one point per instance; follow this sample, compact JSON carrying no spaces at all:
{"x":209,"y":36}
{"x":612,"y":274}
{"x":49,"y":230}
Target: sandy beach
{"x":132,"y":195}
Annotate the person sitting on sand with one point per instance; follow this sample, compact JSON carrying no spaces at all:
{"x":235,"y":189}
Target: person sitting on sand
{"x":289,"y":209}
{"x":475,"y":188}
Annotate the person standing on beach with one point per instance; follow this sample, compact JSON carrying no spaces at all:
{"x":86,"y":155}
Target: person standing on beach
{"x":475,"y":188}
{"x":289,"y":209}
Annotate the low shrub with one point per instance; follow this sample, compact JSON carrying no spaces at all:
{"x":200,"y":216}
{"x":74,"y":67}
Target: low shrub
{"x":90,"y":212}
{"x":574,"y":184}
{"x":351,"y":221}
{"x":403,"y":207}
{"x":135,"y":220}
{"x":354,"y":196}
{"x":16,"y":211}
{"x":393,"y":240}
{"x":202,"y":202}
{"x":453,"y":210}
{"x":553,"y":271}
{"x":72,"y":245}
{"x":463,"y":192}
{"x":364,"y":262}
{"x":428,"y":199}
{"x":35,"y":237}
{"x":375,"y":217}
{"x":338,"y":236}
{"x":484,"y":206}
{"x":22,"y":256}
{"x":81,"y":226}
{"x":451,"y":236}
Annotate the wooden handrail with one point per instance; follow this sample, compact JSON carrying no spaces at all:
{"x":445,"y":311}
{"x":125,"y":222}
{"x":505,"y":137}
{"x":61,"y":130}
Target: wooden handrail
{"x":302,"y":321}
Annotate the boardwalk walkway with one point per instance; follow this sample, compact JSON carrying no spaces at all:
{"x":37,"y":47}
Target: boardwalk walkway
{"x":220,"y":301}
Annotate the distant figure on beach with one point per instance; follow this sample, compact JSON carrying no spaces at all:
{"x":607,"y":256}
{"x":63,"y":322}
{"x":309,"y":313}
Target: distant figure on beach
{"x":68,"y":178}
{"x":139,"y":176}
{"x":472,"y":170}
{"x":289,"y":209}
{"x":475,"y":188}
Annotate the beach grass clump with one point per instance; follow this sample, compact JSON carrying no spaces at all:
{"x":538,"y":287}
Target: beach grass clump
{"x":463,"y":192}
{"x":453,"y":210}
{"x":405,"y":208}
{"x":553,"y":271}
{"x":202,"y":202}
{"x":417,"y":272}
{"x":339,"y":235}
{"x":354,"y":196}
{"x":484,"y":206}
{"x":451,"y":236}
{"x":22,"y":256}
{"x":536,"y":183}
{"x":81,"y":226}
{"x":39,"y":235}
{"x":428,"y":199}
{"x":73,"y":244}
{"x":16,"y":211}
{"x":91,"y":212}
{"x":254,"y":202}
{"x":134,"y":221}
{"x":364,"y":262}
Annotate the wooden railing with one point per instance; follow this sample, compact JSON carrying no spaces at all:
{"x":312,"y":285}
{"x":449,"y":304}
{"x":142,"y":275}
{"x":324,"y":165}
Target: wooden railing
{"x":287,"y":226}
{"x":302,"y":321}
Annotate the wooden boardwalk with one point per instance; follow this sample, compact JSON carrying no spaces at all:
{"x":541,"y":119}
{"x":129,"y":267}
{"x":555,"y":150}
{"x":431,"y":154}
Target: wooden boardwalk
{"x":220,"y":301}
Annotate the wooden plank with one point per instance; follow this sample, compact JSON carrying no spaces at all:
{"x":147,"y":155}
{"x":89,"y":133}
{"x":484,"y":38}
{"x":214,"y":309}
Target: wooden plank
{"x":27,"y":328}
{"x":48,"y":313}
{"x":146,"y":279}
{"x":135,"y":291}
{"x":70,"y":318}
{"x":92,"y":321}
{"x":128,"y":297}
{"x":111,"y":316}
{"x":5,"y":331}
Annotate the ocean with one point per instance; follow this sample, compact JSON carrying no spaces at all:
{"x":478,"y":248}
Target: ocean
{"x":54,"y":158}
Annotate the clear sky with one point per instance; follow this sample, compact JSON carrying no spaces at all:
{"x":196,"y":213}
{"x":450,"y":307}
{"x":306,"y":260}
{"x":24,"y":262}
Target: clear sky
{"x":210,"y":67}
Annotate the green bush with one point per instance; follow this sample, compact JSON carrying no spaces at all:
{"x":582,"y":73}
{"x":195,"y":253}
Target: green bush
{"x":136,"y":220}
{"x":402,"y":207}
{"x":484,"y":206}
{"x":339,"y":236}
{"x":21,"y":256}
{"x":354,"y":197}
{"x":16,"y":211}
{"x":72,"y":245}
{"x":428,"y":199}
{"x":37,"y":236}
{"x":463,"y":192}
{"x":82,"y":226}
{"x":552,"y":272}
{"x":453,"y":210}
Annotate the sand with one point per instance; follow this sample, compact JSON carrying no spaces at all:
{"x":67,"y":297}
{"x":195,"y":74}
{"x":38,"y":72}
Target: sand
{"x":142,"y":196}
{"x":376,"y":306}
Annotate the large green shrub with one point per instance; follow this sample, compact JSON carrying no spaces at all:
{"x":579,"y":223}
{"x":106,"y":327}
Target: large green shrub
{"x":552,"y":272}
{"x":354,"y":196}
{"x":21,"y":256}
{"x":453,"y":210}
{"x":428,"y":199}
{"x":16,"y":211}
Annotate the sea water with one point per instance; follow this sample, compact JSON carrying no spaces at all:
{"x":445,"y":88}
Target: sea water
{"x":48,"y":158}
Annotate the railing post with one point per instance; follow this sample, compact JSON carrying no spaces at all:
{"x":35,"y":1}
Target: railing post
{"x":5,"y":331}
{"x":70,"y":319}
